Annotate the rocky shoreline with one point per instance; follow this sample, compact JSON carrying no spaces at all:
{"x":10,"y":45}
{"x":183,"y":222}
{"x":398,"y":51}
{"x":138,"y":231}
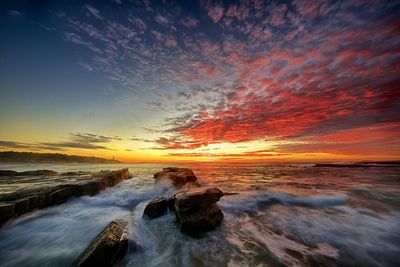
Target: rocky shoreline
{"x":13,"y":205}
{"x":195,"y":209}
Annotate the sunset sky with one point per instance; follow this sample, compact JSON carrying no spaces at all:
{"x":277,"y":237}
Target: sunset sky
{"x":201,"y":80}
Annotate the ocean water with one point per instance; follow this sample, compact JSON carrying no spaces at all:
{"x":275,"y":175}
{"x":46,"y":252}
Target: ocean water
{"x":280,"y":211}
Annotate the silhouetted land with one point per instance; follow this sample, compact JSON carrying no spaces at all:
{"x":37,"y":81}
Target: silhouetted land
{"x":12,"y":156}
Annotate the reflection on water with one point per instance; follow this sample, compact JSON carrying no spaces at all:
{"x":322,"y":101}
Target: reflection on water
{"x":349,"y":213}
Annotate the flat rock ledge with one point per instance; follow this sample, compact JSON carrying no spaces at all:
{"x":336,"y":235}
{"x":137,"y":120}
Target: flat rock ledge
{"x":196,"y":210}
{"x":107,"y":248}
{"x":15,"y":204}
{"x":178,"y":176}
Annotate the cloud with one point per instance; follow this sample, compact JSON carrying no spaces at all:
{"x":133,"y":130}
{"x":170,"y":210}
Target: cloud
{"x":163,"y":20}
{"x":170,"y":42}
{"x":76,"y":39}
{"x":216,"y":12}
{"x":14,"y":13}
{"x":84,"y":141}
{"x":93,"y":11}
{"x":189,"y":22}
{"x":11,"y":144}
{"x":25,"y":146}
{"x":267,"y":71}
{"x":75,"y":140}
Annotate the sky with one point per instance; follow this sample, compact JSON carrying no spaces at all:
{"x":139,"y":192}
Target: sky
{"x":149,"y":81}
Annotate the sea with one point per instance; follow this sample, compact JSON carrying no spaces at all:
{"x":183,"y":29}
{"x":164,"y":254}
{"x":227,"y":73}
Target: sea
{"x":275,"y":214}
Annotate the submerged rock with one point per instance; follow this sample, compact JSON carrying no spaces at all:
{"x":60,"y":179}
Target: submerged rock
{"x":197,"y":211}
{"x":156,"y":208}
{"x":107,"y":248}
{"x":178,"y":176}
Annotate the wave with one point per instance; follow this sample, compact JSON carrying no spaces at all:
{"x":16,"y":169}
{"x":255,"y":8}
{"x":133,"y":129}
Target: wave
{"x":391,"y":198}
{"x":261,"y":201}
{"x":305,"y":165}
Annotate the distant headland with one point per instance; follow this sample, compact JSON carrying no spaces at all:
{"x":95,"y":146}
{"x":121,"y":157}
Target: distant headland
{"x":26,"y":157}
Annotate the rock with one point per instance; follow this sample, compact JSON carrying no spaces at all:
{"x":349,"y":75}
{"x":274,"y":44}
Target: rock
{"x":107,"y":248}
{"x":7,"y":173}
{"x":75,"y":173}
{"x":197,"y":198}
{"x":156,"y":208}
{"x":28,"y":173}
{"x":17,"y":203}
{"x":319,"y":260}
{"x":178,"y":176}
{"x":171,"y":202}
{"x":196,"y":221}
{"x":24,"y":205}
{"x":37,"y":173}
{"x":58,"y":196}
{"x":90,"y":188}
{"x":7,"y":211}
{"x":197,"y":211}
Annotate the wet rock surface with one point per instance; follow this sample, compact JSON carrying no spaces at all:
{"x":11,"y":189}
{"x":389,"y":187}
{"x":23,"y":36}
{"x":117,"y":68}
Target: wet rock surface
{"x":8,"y":173}
{"x":107,"y":248}
{"x":156,"y":208}
{"x":195,"y":222}
{"x":197,"y":211}
{"x":22,"y":201}
{"x":194,"y":199}
{"x":178,"y":176}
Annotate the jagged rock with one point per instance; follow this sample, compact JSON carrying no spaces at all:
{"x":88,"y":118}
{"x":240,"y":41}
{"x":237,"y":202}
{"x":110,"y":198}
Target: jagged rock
{"x":156,"y":208}
{"x":107,"y":248}
{"x":26,"y":200}
{"x":178,"y":176}
{"x":197,"y":211}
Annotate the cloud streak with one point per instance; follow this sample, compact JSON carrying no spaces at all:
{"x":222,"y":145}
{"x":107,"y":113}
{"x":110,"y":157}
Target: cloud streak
{"x":74,"y":140}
